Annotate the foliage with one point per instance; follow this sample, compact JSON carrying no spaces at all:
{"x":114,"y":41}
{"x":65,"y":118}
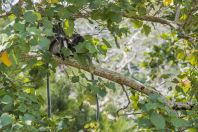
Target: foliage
{"x":27,"y":30}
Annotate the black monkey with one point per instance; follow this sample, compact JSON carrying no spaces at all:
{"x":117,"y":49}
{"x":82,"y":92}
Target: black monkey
{"x":60,"y":41}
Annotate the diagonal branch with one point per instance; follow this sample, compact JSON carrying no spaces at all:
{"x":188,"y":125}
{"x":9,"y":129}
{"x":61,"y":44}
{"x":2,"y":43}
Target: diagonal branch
{"x":153,"y":19}
{"x":122,"y":80}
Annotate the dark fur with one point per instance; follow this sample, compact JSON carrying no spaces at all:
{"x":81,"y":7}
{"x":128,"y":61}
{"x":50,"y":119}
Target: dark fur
{"x":60,"y":38}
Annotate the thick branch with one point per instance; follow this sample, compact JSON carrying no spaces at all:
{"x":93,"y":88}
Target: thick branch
{"x":122,"y":80}
{"x":153,"y":19}
{"x":110,"y":75}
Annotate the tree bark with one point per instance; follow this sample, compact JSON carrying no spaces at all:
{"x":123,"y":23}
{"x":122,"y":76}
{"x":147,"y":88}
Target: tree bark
{"x":122,"y":80}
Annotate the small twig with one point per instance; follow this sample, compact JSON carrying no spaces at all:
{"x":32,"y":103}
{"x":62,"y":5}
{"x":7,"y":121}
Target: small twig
{"x":125,"y":107}
{"x":127,"y":114}
{"x":177,"y":13}
{"x":154,"y":19}
{"x":116,"y":41}
{"x":158,"y":10}
{"x":163,"y":83}
{"x":5,"y":15}
{"x":189,"y":16}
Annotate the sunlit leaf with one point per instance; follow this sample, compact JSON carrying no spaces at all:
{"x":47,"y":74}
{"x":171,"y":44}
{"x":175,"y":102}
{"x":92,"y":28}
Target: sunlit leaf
{"x":68,"y":27}
{"x":12,"y":17}
{"x":167,"y":2}
{"x":28,"y":90}
{"x":5,"y":59}
{"x":52,"y":1}
{"x":137,"y":23}
{"x":38,"y":15}
{"x":180,"y":54}
{"x":186,"y":83}
{"x":193,"y":58}
{"x":106,"y":43}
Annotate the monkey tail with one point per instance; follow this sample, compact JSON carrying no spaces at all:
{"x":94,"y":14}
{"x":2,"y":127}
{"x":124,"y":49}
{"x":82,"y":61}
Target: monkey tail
{"x":97,"y":103}
{"x":49,"y":112}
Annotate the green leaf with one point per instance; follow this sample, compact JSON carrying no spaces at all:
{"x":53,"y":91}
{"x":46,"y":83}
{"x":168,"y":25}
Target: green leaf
{"x":48,"y":32}
{"x":158,"y":121}
{"x":106,"y":43}
{"x":135,"y":99}
{"x":17,"y":126}
{"x":180,"y":54}
{"x":111,"y":85}
{"x":154,"y":97}
{"x":180,"y":89}
{"x":28,"y":118}
{"x":144,"y":123}
{"x":2,"y":92}
{"x":75,"y":79}
{"x":44,"y":43}
{"x":49,"y":12}
{"x":142,"y":10}
{"x":64,"y":13}
{"x":33,"y":41}
{"x":115,"y":17}
{"x":175,"y":80}
{"x":95,"y":88}
{"x":102,"y":92}
{"x":103,"y":49}
{"x":171,"y":113}
{"x":146,"y":29}
{"x":177,"y":122}
{"x":6,"y":99}
{"x":46,"y":23}
{"x":5,"y":120}
{"x":19,"y":27}
{"x":80,"y":48}
{"x":68,"y":27}
{"x":151,"y":106}
{"x":34,"y":30}
{"x":137,"y":24}
{"x":91,"y":48}
{"x":22,"y":108}
{"x":29,"y":16}
{"x":66,"y":52}
{"x":165,"y":76}
{"x":193,"y":58}
{"x":81,"y":58}
{"x":95,"y":4}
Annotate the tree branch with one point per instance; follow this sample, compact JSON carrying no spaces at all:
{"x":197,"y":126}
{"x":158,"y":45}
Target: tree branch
{"x":122,"y":80}
{"x":153,"y":19}
{"x":5,"y":15}
{"x":128,"y":99}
